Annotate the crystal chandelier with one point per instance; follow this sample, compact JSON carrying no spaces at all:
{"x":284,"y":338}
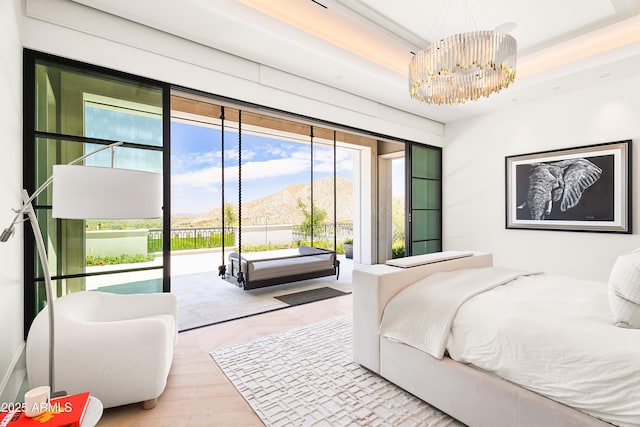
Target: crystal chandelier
{"x":463,"y":67}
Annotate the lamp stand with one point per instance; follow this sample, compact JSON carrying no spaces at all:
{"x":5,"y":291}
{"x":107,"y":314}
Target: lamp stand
{"x":48,"y":286}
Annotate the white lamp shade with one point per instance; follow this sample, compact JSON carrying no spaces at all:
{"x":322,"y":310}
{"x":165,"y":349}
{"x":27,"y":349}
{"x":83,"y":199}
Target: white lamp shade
{"x":87,"y":192}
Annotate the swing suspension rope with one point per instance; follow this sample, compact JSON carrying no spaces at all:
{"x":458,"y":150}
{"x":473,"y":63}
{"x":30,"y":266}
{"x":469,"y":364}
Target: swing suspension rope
{"x":336,"y":265}
{"x":241,"y":280}
{"x":311,"y":208}
{"x":222,"y":269}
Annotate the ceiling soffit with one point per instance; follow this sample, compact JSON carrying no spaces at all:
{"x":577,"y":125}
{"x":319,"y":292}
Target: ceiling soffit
{"x":363,"y":46}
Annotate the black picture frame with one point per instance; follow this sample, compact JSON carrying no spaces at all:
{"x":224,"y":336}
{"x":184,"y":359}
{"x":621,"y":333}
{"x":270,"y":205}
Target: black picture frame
{"x":584,"y":188}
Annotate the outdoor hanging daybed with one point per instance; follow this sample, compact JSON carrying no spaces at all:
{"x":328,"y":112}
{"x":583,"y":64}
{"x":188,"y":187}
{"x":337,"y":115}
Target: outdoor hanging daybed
{"x":269,"y":268}
{"x":259,"y":269}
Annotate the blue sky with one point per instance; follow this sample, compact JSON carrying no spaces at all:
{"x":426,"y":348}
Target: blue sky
{"x":268,"y":166}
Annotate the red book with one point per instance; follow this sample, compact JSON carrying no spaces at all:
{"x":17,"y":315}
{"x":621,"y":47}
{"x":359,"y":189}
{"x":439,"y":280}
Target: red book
{"x":66,"y":411}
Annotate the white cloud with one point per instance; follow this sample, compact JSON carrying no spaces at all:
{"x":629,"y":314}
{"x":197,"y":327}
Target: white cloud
{"x":275,"y":150}
{"x":210,"y":178}
{"x":231,"y":153}
{"x":191,"y":161}
{"x":296,"y":162}
{"x":268,"y":169}
{"x":206,"y":179}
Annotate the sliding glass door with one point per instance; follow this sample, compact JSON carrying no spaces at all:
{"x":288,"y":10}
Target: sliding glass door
{"x":70,"y":110}
{"x":270,"y":178}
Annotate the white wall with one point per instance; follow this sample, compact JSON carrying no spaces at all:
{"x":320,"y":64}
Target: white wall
{"x":11,"y":277}
{"x":474,"y":178}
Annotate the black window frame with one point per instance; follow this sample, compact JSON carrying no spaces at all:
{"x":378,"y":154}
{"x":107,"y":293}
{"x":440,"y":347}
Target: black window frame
{"x":30,"y":135}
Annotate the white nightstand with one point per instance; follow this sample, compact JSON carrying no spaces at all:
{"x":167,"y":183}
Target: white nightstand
{"x":93,"y":412}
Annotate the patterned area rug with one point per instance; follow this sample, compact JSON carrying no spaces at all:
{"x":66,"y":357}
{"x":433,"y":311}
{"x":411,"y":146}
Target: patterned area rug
{"x":306,"y":377}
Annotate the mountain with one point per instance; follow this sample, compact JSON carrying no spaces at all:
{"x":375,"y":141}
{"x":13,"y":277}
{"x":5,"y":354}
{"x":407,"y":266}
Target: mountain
{"x":282,"y":207}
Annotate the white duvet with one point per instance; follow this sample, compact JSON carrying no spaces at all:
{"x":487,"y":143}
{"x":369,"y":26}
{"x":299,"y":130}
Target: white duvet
{"x":555,"y":336}
{"x":422,"y":314}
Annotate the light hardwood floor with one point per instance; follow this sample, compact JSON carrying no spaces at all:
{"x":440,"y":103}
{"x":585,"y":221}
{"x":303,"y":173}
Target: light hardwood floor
{"x":198,"y":393}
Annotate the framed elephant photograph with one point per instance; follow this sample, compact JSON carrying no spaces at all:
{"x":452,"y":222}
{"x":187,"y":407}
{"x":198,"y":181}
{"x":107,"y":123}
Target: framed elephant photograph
{"x":577,"y":189}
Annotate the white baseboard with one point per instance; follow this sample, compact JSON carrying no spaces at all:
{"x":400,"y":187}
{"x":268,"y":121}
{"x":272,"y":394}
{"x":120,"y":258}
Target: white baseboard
{"x":14,"y":377}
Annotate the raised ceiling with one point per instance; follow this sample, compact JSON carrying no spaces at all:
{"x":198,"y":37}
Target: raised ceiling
{"x":363,"y":46}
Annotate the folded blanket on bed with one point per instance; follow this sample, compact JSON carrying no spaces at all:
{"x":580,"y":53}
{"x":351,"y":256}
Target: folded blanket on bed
{"x":421,"y":315}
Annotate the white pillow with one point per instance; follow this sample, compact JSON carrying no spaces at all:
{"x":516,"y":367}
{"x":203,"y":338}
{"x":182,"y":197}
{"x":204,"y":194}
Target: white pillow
{"x":624,"y":290}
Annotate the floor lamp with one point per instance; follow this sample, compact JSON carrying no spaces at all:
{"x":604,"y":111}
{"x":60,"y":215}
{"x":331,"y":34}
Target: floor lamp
{"x":88,"y":192}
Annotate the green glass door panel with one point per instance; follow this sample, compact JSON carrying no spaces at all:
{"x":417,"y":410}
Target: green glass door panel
{"x":425,"y":225}
{"x":425,"y":162}
{"x":425,"y":194}
{"x":426,"y":247}
{"x":425,"y":218}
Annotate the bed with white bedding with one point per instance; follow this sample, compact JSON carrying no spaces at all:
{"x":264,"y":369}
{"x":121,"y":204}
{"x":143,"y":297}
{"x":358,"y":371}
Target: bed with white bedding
{"x":550,"y":334}
{"x":527,"y":350}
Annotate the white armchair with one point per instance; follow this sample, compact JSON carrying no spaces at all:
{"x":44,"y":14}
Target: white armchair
{"x":118,"y":347}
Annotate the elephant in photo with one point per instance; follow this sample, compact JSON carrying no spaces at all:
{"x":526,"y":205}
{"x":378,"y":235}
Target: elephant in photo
{"x":563,"y":181}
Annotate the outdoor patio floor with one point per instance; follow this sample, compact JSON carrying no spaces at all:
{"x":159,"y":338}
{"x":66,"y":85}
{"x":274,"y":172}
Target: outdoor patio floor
{"x":205,"y":299}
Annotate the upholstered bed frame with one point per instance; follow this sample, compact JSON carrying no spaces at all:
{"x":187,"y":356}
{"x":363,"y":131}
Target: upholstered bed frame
{"x":472,"y":396}
{"x":270,"y":268}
